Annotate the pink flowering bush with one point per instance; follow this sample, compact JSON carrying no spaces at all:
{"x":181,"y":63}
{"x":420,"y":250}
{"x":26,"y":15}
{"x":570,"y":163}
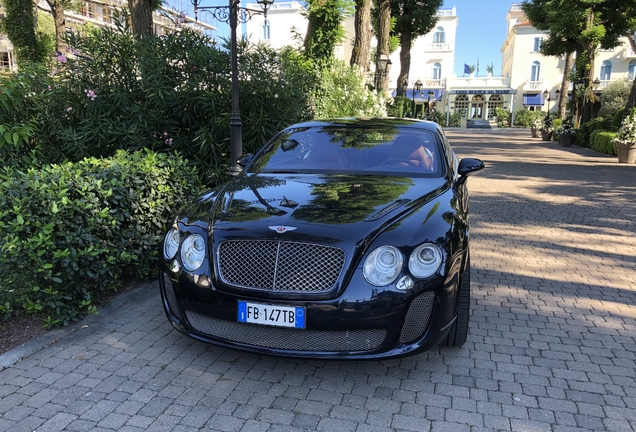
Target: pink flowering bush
{"x":165,"y":93}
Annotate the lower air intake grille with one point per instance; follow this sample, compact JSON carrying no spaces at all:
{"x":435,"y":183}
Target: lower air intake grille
{"x":172,"y":300}
{"x":417,"y":317}
{"x":288,"y":339}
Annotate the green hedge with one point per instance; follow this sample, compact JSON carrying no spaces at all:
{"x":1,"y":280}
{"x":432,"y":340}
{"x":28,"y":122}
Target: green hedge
{"x":584,"y":134}
{"x":602,"y":142}
{"x":71,"y":232}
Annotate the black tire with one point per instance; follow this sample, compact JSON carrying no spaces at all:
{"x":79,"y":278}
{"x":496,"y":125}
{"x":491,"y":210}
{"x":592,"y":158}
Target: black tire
{"x":459,"y":331}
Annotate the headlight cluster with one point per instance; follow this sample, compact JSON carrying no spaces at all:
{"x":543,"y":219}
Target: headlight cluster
{"x":192,"y":249}
{"x":384,"y":264}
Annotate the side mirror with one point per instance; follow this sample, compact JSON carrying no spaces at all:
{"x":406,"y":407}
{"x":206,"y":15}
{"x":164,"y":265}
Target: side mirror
{"x":244,"y":160}
{"x":468,"y":166}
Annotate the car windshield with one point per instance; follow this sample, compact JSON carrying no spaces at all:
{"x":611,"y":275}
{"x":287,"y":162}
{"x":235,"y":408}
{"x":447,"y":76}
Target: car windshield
{"x":352,"y":150}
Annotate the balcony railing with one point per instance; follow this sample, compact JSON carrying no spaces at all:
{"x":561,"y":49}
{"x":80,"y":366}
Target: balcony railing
{"x":629,"y":52}
{"x":446,"y":12}
{"x":434,"y":83}
{"x":439,"y":47}
{"x":480,"y":82}
{"x":533,"y":85}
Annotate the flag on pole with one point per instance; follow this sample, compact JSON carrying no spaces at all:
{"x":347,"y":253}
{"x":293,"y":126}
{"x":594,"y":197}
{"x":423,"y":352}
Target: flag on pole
{"x":466,"y":69}
{"x":477,"y":66}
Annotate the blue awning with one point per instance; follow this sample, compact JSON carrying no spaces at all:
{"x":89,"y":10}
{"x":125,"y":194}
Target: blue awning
{"x":533,"y":99}
{"x":422,"y":95}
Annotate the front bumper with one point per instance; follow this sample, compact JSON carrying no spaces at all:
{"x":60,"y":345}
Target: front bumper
{"x":357,"y":325}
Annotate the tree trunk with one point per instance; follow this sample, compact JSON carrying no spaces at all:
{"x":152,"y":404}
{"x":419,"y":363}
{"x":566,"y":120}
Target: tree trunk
{"x":384,"y":27}
{"x":361,"y":52}
{"x":565,"y":84}
{"x":405,"y":60}
{"x":141,"y":17}
{"x":57,"y":10}
{"x":591,"y":102}
{"x":631,"y":100}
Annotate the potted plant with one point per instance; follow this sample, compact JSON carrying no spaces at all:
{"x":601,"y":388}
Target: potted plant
{"x":535,"y":125}
{"x":625,"y":140}
{"x":566,"y":132}
{"x":547,"y":128}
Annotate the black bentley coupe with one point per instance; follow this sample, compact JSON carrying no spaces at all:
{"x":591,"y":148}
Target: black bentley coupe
{"x":340,"y":239}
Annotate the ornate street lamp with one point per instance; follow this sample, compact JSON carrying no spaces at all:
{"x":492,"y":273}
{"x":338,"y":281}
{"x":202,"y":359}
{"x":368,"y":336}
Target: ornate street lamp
{"x":416,"y":88}
{"x":546,"y":95}
{"x":233,"y":14}
{"x":382,"y":68}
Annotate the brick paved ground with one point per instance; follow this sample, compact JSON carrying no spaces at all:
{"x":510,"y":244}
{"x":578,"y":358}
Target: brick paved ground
{"x":552,"y":344}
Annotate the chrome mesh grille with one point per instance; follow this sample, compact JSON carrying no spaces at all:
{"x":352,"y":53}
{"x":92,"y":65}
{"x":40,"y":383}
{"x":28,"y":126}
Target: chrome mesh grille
{"x":417,"y":317}
{"x":280,"y":266}
{"x":286,"y":338}
{"x":172,"y":299}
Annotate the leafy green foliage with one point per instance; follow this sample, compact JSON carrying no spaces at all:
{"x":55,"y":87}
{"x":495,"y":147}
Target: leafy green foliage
{"x":503,"y":116}
{"x":615,"y":96}
{"x":342,"y":92}
{"x":602,"y":142}
{"x":585,"y":131}
{"x":165,"y":93}
{"x":19,"y":26}
{"x":526,"y":118}
{"x":69,"y":233}
{"x":324,"y":27}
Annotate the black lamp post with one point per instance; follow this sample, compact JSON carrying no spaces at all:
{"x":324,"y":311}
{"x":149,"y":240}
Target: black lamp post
{"x":382,"y":68}
{"x":233,"y":14}
{"x":416,"y":88}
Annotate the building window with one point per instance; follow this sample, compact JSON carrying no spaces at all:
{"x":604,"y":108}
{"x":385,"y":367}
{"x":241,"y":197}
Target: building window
{"x":437,"y":71}
{"x":5,"y":62}
{"x":439,"y":36}
{"x":606,"y":70}
{"x":461,"y":105}
{"x":266,"y":30}
{"x":631,"y":70}
{"x":535,"y":73}
{"x":537,"y":44}
{"x":494,"y":102}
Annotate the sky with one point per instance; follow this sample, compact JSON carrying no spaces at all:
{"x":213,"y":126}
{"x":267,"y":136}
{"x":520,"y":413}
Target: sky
{"x":481,"y":32}
{"x":481,"y":29}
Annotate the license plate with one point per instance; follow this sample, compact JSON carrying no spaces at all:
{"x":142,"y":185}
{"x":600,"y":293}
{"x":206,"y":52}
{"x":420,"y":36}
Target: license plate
{"x":279,"y":316}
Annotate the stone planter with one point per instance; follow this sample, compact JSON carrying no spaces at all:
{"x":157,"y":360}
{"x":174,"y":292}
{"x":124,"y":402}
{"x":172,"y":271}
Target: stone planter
{"x":534,"y":132}
{"x":566,"y":140}
{"x":546,"y":136}
{"x":626,"y":153}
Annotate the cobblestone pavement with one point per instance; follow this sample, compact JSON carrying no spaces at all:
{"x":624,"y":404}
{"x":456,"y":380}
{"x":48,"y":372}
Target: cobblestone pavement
{"x":552,"y":342}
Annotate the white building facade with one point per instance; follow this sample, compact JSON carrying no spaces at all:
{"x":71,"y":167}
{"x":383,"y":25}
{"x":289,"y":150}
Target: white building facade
{"x":531,"y":73}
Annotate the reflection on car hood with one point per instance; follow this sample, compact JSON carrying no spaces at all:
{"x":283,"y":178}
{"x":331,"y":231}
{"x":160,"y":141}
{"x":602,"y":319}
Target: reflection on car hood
{"x":339,"y":201}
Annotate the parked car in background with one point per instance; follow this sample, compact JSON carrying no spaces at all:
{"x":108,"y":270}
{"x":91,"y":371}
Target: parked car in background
{"x":340,"y":239}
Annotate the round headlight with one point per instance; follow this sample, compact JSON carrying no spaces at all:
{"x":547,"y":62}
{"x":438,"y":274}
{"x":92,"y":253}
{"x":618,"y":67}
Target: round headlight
{"x":383,"y":265}
{"x":193,"y":252}
{"x":171,"y":244}
{"x":425,"y":260}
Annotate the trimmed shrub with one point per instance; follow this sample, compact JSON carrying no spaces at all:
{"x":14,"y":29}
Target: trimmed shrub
{"x":602,"y":142}
{"x":586,"y":129}
{"x":71,"y":232}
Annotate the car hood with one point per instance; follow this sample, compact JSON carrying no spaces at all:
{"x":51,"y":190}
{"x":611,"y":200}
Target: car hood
{"x":282,"y":203}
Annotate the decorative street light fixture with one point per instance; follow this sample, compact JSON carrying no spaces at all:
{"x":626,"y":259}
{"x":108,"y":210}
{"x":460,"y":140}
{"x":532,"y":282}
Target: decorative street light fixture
{"x":382,"y":68}
{"x":546,"y":95}
{"x":416,"y":88}
{"x":233,"y":14}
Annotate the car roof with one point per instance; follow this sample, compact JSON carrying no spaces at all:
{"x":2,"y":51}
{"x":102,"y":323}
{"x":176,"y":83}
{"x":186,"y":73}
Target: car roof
{"x":372,"y":122}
